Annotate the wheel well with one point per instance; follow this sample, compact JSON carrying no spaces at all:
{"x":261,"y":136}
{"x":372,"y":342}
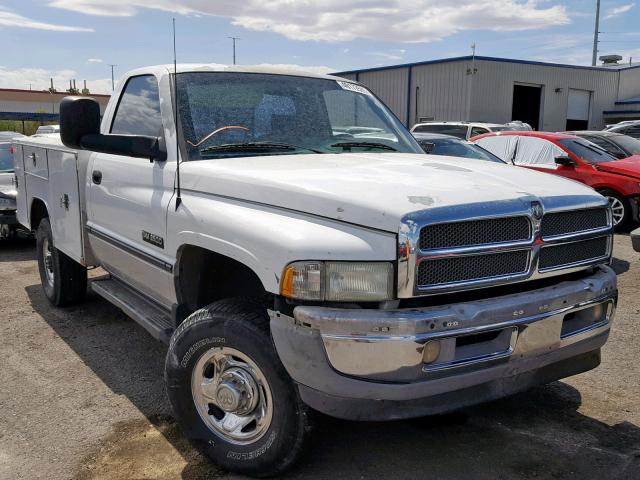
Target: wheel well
{"x":37,"y":213}
{"x":204,"y":277}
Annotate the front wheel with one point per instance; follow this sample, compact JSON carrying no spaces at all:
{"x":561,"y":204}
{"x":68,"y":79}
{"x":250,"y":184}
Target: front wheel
{"x":620,"y":209}
{"x":230,"y":392}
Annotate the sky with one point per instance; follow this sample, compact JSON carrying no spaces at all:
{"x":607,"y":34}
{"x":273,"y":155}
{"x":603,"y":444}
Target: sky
{"x":79,"y":39}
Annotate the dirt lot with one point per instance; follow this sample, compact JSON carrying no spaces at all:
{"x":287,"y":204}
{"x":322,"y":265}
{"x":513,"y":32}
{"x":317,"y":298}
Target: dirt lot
{"x":82,"y":397}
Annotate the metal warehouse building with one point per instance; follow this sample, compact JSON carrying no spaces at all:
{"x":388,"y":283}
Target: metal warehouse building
{"x":548,"y":96}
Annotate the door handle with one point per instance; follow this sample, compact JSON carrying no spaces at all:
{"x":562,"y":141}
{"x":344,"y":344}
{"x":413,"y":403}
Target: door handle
{"x":96,"y":176}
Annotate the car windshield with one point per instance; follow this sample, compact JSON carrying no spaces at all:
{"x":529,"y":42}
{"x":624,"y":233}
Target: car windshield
{"x":249,"y":114}
{"x":630,"y":144}
{"x":6,"y":158}
{"x":456,"y":148}
{"x":589,"y":152}
{"x":459,"y":131}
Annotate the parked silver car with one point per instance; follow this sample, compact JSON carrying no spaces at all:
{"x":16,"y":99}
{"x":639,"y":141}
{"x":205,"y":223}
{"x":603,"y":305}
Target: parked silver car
{"x":8,"y":191}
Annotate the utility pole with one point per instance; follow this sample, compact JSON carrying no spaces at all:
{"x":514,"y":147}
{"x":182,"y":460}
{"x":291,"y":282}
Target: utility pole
{"x":234,"y":47}
{"x":113,"y":83}
{"x":594,"y":58}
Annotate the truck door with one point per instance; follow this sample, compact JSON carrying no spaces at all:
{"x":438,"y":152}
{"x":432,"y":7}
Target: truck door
{"x":128,"y":199}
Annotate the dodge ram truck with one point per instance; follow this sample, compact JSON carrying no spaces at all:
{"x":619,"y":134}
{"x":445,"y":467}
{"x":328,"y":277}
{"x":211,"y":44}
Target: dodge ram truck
{"x":288,"y":239}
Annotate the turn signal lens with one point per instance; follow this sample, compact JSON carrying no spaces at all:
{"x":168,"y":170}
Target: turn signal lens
{"x":302,"y":280}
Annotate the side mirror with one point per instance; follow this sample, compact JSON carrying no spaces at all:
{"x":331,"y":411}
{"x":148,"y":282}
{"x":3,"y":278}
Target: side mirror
{"x":79,"y":116}
{"x":565,"y":161}
{"x":80,"y":130}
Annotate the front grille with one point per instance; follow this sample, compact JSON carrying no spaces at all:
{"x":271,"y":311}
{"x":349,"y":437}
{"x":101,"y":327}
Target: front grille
{"x":475,"y":232}
{"x":472,"y":267}
{"x":574,"y":252}
{"x":563,"y":223}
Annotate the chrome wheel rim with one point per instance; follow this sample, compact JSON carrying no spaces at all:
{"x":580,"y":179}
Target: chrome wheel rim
{"x":232,"y":395}
{"x":47,"y":260}
{"x":617,"y":209}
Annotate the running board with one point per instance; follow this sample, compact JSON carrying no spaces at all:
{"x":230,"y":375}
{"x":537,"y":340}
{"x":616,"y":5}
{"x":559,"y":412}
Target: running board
{"x":151,"y":316}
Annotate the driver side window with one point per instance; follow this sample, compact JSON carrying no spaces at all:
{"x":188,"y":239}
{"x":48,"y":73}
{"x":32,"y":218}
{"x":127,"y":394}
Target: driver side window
{"x":138,"y":111}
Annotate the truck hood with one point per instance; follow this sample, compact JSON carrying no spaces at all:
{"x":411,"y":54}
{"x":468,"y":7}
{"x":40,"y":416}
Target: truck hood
{"x":629,"y":166}
{"x":374,"y":190}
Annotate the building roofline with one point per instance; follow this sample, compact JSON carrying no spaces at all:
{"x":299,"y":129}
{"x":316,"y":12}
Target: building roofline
{"x":487,"y":59}
{"x":22,"y":90}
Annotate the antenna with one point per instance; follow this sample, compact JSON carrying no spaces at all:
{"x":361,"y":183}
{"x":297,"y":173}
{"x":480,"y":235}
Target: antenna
{"x":175,"y":116}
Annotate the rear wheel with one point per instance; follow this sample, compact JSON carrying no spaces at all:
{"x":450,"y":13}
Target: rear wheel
{"x":230,"y":392}
{"x":64,"y":280}
{"x":620,"y":208}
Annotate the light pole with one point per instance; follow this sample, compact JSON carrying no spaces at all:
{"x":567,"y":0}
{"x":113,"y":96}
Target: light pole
{"x":234,"y":47}
{"x":595,"y":35}
{"x":113,"y":85}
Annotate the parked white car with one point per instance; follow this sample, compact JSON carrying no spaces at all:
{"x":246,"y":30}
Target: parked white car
{"x":464,"y":130}
{"x":306,"y":254}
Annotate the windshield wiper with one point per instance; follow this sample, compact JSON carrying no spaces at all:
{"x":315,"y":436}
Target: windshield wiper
{"x":370,"y":145}
{"x":255,"y":146}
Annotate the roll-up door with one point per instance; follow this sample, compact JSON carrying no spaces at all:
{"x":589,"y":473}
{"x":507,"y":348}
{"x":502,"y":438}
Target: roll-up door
{"x":578,"y":107}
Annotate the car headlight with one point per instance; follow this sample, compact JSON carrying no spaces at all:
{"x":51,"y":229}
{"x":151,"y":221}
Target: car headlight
{"x":338,"y":281}
{"x":7,"y":203}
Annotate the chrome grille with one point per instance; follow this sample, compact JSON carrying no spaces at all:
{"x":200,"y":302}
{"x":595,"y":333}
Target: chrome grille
{"x":439,"y":271}
{"x":573,"y":253}
{"x":563,"y":223}
{"x":475,"y":232}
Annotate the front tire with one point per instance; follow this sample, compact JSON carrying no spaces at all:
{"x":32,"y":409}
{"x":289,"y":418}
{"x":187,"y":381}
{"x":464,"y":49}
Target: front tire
{"x":230,"y":392}
{"x":620,"y":208}
{"x":64,"y":280}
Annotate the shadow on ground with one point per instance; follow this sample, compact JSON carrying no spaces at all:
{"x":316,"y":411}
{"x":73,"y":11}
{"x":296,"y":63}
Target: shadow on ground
{"x":538,"y":434}
{"x":17,"y":249}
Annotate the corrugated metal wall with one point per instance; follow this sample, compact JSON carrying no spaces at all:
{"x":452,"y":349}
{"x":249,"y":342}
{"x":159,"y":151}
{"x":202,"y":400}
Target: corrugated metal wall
{"x":391,"y":87}
{"x":629,"y":84}
{"x":443,"y":90}
{"x":493,"y":91}
{"x":440,"y":91}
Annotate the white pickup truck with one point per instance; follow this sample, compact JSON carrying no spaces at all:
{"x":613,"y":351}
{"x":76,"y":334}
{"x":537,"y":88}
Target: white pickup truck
{"x":305,"y":254}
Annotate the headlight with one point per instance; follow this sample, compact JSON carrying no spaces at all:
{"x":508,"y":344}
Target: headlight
{"x":338,"y":281}
{"x":7,"y":202}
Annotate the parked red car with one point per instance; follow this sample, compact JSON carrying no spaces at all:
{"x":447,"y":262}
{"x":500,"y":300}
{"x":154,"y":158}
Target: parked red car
{"x":576,"y":158}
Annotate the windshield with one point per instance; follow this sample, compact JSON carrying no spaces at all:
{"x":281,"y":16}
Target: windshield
{"x":459,"y":131}
{"x":6,"y":158}
{"x":456,"y":148}
{"x":589,"y":152}
{"x":630,"y":144}
{"x":250,"y":114}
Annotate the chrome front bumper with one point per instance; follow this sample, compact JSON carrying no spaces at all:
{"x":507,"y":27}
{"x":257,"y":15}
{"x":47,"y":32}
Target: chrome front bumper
{"x":380,"y":354}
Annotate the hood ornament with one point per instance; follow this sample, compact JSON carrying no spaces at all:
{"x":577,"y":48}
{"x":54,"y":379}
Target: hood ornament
{"x":536,"y":210}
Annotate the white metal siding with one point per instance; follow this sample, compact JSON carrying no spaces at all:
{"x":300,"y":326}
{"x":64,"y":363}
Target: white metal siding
{"x":493,"y":91}
{"x":629,"y":84}
{"x":442,"y":90}
{"x":391,"y":87}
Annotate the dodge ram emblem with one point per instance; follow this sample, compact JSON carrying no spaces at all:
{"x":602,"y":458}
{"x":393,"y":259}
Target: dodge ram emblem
{"x":536,"y":210}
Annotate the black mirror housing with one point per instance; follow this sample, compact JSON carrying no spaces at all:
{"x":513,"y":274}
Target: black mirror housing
{"x":80,"y":130}
{"x":79,"y":116}
{"x":565,"y":161}
{"x":140,"y":146}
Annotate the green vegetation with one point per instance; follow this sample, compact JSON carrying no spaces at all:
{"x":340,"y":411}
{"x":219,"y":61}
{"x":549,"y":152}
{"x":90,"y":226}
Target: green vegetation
{"x":26,"y":127}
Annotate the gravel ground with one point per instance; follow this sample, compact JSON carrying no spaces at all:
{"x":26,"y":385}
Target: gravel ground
{"x":82,"y":398}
